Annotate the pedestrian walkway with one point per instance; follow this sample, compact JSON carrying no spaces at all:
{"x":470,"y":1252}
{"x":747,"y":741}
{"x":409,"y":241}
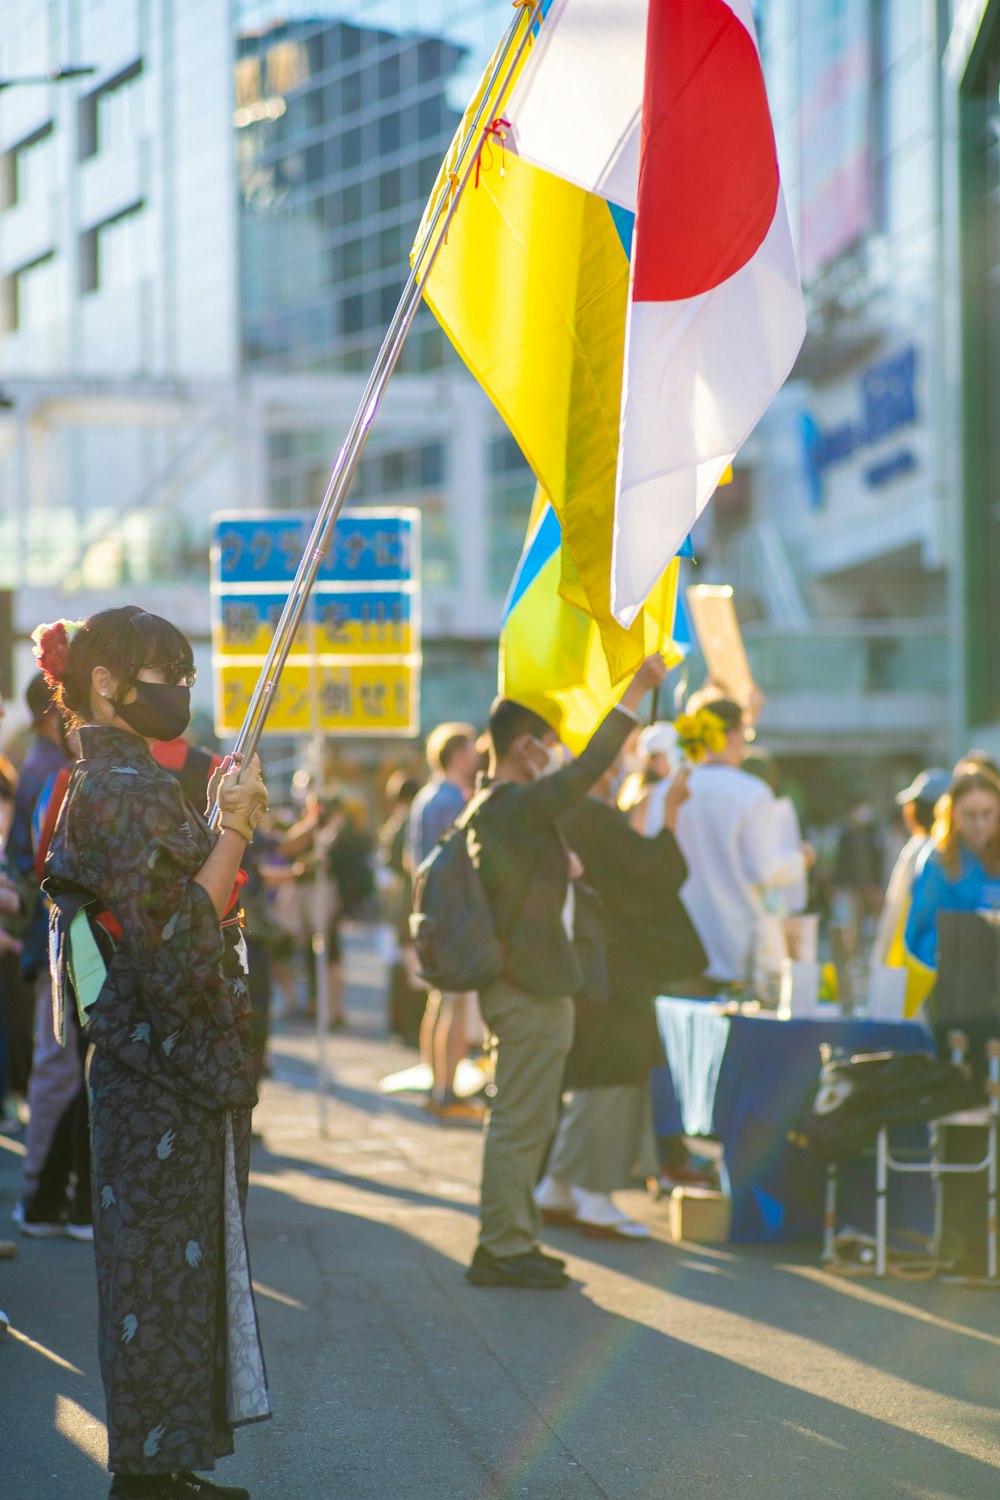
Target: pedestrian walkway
{"x":664,"y":1371}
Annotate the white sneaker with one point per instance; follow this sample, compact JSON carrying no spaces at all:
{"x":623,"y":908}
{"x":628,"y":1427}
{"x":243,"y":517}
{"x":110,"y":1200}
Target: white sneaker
{"x":556,"y":1201}
{"x":82,"y":1232}
{"x":599,"y":1218}
{"x":42,"y":1229}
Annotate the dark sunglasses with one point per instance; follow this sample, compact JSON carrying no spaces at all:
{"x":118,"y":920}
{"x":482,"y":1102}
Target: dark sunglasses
{"x":175,"y":673}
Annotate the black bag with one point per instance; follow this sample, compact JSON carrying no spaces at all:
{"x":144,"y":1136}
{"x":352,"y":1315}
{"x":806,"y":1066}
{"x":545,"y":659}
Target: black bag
{"x":451,"y":923}
{"x":857,"y":1095}
{"x":590,"y":944}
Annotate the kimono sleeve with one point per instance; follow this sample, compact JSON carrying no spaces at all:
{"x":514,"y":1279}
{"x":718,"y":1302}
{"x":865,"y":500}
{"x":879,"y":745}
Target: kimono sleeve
{"x":137,"y":851}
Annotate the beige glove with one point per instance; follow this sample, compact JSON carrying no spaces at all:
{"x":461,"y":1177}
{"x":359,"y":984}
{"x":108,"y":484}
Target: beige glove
{"x":214,"y":782}
{"x":223,"y":769}
{"x":242,"y":804}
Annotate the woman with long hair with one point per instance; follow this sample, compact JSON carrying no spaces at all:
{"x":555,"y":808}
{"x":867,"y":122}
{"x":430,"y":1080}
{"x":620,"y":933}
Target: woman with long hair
{"x":170,"y":1066}
{"x":961,"y":868}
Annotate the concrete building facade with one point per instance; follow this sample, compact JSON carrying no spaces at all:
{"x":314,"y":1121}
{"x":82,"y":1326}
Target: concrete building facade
{"x":201,"y":243}
{"x":841,"y":541}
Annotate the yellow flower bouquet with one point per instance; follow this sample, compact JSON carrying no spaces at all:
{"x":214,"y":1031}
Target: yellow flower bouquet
{"x":700,"y":734}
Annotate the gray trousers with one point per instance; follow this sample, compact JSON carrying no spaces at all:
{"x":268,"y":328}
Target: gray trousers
{"x":531,"y":1041}
{"x":605,"y":1138}
{"x":53,"y":1085}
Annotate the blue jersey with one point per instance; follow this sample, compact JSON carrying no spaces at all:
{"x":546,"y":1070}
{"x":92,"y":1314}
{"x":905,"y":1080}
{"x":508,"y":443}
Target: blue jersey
{"x":935,"y":890}
{"x":434,"y":810}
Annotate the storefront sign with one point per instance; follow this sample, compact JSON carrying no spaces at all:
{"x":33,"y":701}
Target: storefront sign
{"x":887,"y":406}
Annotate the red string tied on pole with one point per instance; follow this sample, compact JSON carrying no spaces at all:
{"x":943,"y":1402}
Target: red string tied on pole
{"x":496,"y":130}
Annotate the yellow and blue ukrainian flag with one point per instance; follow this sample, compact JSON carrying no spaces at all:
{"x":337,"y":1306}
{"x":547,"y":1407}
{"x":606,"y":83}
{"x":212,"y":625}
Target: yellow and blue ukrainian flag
{"x":532,"y":290}
{"x":551,"y":656}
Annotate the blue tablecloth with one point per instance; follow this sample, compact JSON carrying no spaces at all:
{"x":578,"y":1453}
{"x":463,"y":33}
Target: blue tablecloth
{"x":744,"y":1080}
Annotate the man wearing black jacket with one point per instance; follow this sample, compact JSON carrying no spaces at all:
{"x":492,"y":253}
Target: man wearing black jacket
{"x":524,"y":864}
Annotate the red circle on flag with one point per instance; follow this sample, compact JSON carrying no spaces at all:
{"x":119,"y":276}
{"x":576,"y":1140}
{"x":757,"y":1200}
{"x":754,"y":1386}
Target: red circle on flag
{"x":708,"y":180}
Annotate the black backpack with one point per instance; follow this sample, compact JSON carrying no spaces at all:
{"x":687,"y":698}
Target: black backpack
{"x":451,"y":923}
{"x":858,"y":1094}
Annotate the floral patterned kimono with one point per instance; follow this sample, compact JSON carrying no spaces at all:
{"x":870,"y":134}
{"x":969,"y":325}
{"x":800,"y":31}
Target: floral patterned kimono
{"x":172,"y":1087}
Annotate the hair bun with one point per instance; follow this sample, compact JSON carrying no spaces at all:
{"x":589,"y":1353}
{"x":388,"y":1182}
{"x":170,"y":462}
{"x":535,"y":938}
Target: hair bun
{"x":51,"y":645}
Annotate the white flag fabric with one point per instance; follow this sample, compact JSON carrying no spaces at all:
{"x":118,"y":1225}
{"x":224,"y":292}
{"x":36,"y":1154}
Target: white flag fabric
{"x":716,"y":315}
{"x":577,"y":107}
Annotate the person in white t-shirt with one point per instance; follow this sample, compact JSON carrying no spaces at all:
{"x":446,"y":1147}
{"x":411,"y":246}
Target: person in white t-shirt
{"x":731,"y":840}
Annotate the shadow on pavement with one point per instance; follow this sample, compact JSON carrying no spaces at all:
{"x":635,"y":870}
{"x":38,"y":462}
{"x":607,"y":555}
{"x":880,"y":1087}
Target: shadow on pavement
{"x":399,"y":1376}
{"x":391,"y":1376}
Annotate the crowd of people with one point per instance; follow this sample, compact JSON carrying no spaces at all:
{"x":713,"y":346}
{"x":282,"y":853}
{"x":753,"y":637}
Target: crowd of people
{"x":136,"y":986}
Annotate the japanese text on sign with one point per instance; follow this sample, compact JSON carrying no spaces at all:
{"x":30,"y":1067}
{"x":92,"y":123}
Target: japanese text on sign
{"x":354,"y":666}
{"x":369,"y":547}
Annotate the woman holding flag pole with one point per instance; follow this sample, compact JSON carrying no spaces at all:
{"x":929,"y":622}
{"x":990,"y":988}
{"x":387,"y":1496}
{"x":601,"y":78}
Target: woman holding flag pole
{"x":148,"y":945}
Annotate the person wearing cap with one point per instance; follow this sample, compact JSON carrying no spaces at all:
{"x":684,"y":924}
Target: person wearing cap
{"x":56,"y":1073}
{"x":916,"y":803}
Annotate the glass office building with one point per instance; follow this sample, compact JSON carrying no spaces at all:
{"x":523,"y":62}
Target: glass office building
{"x":343,"y":113}
{"x":201,"y":246}
{"x":972,"y":177}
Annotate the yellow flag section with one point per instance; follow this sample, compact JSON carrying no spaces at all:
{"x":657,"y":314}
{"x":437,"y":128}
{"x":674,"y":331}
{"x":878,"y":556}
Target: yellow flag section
{"x":551,"y":658}
{"x":920,"y":978}
{"x":532,"y":289}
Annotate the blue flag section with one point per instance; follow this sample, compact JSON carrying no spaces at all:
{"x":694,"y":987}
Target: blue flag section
{"x":683,"y":638}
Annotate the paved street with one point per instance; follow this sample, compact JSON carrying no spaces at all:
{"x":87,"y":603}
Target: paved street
{"x":664,"y":1371}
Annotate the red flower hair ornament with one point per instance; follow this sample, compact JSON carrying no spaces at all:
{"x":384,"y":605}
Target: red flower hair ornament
{"x":51,"y":648}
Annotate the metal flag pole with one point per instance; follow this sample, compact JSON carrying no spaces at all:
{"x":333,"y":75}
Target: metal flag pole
{"x":528,"y":12}
{"x":321,"y":927}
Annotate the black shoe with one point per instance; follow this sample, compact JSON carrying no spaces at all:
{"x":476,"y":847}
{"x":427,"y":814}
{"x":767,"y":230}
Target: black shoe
{"x":516,"y":1270}
{"x":537,"y":1253}
{"x":141,"y":1487}
{"x":172,"y":1487}
{"x":193,"y":1486}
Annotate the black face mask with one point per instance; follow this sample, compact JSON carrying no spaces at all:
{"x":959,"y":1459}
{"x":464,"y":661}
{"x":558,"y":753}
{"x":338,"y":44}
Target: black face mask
{"x":159,"y":712}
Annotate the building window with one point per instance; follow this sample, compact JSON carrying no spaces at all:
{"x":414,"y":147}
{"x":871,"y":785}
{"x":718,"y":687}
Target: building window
{"x":350,"y":148}
{"x":390,"y":190}
{"x":511,"y":489}
{"x":352,"y":314}
{"x":31,"y":296}
{"x":115,"y":254}
{"x":352,"y":259}
{"x":388,"y":75}
{"x":287,"y":67}
{"x":112,"y":112}
{"x":27,"y":169}
{"x":390,"y":133}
